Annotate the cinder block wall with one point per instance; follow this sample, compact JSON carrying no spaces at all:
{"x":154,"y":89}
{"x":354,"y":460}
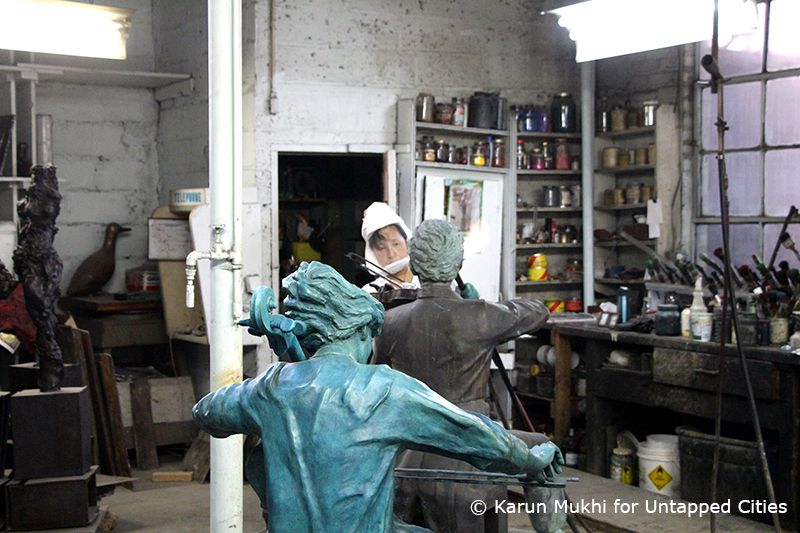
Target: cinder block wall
{"x":104,"y":146}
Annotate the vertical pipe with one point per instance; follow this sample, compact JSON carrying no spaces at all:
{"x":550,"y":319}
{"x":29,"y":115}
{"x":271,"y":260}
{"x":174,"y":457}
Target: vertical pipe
{"x":587,"y":162}
{"x":224,"y":102}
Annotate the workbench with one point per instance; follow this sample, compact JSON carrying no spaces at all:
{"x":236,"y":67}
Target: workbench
{"x":682,"y":378}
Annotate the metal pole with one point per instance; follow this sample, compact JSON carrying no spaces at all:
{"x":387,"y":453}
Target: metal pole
{"x":225,"y":180}
{"x":587,"y":189}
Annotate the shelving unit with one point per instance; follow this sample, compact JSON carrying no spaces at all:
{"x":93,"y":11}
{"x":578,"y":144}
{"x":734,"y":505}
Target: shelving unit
{"x":529,"y":185}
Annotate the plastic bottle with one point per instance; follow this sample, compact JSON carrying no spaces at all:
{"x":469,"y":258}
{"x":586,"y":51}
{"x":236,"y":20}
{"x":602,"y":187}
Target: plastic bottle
{"x":686,"y":328}
{"x":700,"y":320}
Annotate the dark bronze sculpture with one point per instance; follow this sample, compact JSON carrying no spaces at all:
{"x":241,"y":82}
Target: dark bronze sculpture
{"x":332,"y":425}
{"x":95,"y":271}
{"x":38,"y":268}
{"x":447,"y":342}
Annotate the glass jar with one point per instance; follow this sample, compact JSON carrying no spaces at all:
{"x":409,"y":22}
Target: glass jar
{"x":551,"y":196}
{"x":444,"y":113}
{"x":619,"y":118}
{"x":425,"y":107}
{"x":542,"y":118}
{"x":522,"y":155}
{"x":547,"y":154}
{"x":453,"y":155}
{"x":459,"y":111}
{"x":442,"y":151}
{"x":563,"y":114}
{"x":428,"y":149}
{"x":622,"y":466}
{"x":479,"y":154}
{"x":418,"y":151}
{"x":668,"y":320}
{"x":465,"y":155}
{"x":565,"y":195}
{"x":562,"y":155}
{"x":530,"y":120}
{"x":498,"y":153}
{"x":536,"y":159}
{"x":633,"y":193}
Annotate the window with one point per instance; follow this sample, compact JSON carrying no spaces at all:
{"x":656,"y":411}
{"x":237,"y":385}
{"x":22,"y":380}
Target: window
{"x":762,"y":146}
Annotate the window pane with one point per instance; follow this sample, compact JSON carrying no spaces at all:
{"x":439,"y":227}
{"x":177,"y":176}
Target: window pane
{"x":784,"y":46}
{"x":781,"y":181}
{"x":771,"y":234}
{"x":744,"y":184}
{"x":745,"y":240}
{"x":742,"y":54}
{"x":783,"y":111}
{"x":742,"y":113}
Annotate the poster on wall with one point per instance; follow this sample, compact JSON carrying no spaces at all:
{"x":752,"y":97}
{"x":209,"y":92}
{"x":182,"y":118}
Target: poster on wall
{"x":464,"y":205}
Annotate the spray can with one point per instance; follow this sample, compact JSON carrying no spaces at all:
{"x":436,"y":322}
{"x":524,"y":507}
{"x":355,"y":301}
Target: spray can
{"x":623,"y":304}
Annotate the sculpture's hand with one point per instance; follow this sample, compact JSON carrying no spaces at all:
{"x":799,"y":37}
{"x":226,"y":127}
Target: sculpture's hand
{"x":545,"y":461}
{"x":469,"y":292}
{"x":281,"y":331}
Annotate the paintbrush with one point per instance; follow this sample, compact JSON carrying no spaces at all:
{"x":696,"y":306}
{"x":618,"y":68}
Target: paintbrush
{"x":720,"y":254}
{"x":764,"y":271}
{"x":788,"y":243}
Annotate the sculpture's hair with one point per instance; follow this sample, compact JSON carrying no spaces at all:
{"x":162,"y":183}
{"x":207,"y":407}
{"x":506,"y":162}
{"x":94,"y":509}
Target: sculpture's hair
{"x":332,"y":308}
{"x":436,"y":251}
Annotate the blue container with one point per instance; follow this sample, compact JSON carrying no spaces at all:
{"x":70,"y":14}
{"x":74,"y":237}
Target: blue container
{"x":623,"y":304}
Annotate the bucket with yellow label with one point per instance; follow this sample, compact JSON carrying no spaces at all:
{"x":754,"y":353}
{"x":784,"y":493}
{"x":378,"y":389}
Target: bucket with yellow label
{"x":537,"y":267}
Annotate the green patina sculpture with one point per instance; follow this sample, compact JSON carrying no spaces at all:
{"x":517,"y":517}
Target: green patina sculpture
{"x":332,"y":426}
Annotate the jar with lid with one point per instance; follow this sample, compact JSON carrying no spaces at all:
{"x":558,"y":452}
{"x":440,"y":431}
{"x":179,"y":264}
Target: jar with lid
{"x":465,"y":155}
{"x":442,"y":151}
{"x":634,"y":119}
{"x":622,"y":466}
{"x":444,"y":113}
{"x":649,"y":113}
{"x":668,"y":320}
{"x":425,"y":107}
{"x":565,"y":195}
{"x":619,"y":118}
{"x":563,"y":114}
{"x":522,"y":155}
{"x":633,"y":193}
{"x":537,"y":159}
{"x":498,"y":153}
{"x":550,"y":195}
{"x":562,"y":155}
{"x":428,"y":149}
{"x":459,"y":111}
{"x":479,"y":153}
{"x":453,"y":154}
{"x":547,"y":154}
{"x":542,"y":118}
{"x":530,"y":120}
{"x":575,"y":192}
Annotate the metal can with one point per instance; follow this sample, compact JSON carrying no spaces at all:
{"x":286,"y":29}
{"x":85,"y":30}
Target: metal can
{"x":622,"y":466}
{"x":610,"y":156}
{"x":565,"y":196}
{"x":649,"y":113}
{"x":537,"y":267}
{"x":555,"y":305}
{"x":442,"y":151}
{"x":551,"y":196}
{"x":575,"y":192}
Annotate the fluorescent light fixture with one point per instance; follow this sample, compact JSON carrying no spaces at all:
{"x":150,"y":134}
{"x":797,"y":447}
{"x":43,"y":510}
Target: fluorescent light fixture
{"x":609,"y":28}
{"x":67,"y":28}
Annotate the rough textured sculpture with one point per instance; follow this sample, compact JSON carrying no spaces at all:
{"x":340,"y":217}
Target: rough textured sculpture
{"x":38,"y":268}
{"x":447,"y":342}
{"x":332,"y":426}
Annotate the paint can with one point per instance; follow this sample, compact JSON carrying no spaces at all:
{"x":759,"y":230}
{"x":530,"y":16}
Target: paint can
{"x":555,"y":305}
{"x":659,"y":465}
{"x":537,"y":267}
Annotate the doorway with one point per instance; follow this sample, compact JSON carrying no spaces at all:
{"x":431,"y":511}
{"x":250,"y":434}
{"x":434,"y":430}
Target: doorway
{"x":321,"y":201}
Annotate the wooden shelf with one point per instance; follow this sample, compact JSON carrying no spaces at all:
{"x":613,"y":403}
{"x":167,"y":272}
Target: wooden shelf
{"x":622,"y":244}
{"x":121,"y":78}
{"x":453,"y":166}
{"x":525,"y":173}
{"x":549,"y":246}
{"x":626,"y":207}
{"x":548,"y":135}
{"x":549,"y":210}
{"x":614,"y":281}
{"x":549,"y":285}
{"x":632,"y":132}
{"x":466,"y":130}
{"x":628,"y":169}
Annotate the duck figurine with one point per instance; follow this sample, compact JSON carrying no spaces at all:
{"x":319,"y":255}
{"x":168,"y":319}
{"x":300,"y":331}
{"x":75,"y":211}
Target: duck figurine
{"x":95,"y":271}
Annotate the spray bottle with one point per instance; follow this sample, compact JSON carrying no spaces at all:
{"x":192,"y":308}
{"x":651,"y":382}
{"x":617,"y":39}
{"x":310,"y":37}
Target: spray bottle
{"x":700,"y":320}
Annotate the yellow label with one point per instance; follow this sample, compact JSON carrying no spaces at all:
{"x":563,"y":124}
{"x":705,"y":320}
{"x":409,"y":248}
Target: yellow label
{"x":626,"y":476}
{"x":660,"y":477}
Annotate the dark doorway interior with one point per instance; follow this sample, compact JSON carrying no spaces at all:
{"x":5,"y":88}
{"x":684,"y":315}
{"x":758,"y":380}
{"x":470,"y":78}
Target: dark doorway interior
{"x":322,"y":198}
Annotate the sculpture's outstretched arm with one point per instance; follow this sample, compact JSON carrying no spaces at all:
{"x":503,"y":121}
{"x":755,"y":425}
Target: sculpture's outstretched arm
{"x":225,"y":411}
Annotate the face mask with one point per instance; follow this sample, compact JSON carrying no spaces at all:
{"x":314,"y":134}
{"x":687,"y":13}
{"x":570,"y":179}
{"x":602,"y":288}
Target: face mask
{"x":397,"y":266}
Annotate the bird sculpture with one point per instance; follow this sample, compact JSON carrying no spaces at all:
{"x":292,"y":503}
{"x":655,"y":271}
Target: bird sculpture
{"x":95,"y":271}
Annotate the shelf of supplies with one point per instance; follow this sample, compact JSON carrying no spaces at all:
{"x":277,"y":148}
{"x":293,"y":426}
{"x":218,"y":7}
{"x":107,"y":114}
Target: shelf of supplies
{"x":548,"y":135}
{"x":628,"y":169}
{"x":622,"y":244}
{"x":454,"y":166}
{"x":92,"y":76}
{"x":549,"y":210}
{"x":632,"y":132}
{"x":449,"y":128}
{"x":614,"y":281}
{"x":550,"y":246}
{"x":626,"y":207}
{"x":524,"y":172}
{"x":549,"y":285}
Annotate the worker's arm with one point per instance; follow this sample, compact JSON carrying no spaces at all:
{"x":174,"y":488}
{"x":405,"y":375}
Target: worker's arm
{"x":428,"y":422}
{"x":227,"y":411}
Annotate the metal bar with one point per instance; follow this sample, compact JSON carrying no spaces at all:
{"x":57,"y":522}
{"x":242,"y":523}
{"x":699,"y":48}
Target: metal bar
{"x":587,"y":178}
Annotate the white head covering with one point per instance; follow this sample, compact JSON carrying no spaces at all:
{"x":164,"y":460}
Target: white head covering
{"x":378,"y":216}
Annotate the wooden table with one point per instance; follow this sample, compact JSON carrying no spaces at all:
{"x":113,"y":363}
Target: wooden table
{"x":682,"y":380}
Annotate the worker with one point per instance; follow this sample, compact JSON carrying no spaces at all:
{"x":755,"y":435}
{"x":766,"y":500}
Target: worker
{"x":332,"y":426}
{"x":447,"y":342}
{"x":386,"y":244}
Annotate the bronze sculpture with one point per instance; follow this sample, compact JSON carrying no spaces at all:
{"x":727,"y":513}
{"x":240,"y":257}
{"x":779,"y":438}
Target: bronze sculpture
{"x":38,"y":267}
{"x":332,"y":425}
{"x":95,"y":271}
{"x":447,"y":342}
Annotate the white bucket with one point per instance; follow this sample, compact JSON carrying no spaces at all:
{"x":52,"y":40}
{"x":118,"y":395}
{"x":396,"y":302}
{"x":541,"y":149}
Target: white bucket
{"x":659,"y":465}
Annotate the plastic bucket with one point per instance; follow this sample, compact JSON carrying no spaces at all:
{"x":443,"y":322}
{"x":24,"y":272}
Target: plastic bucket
{"x":659,"y":465}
